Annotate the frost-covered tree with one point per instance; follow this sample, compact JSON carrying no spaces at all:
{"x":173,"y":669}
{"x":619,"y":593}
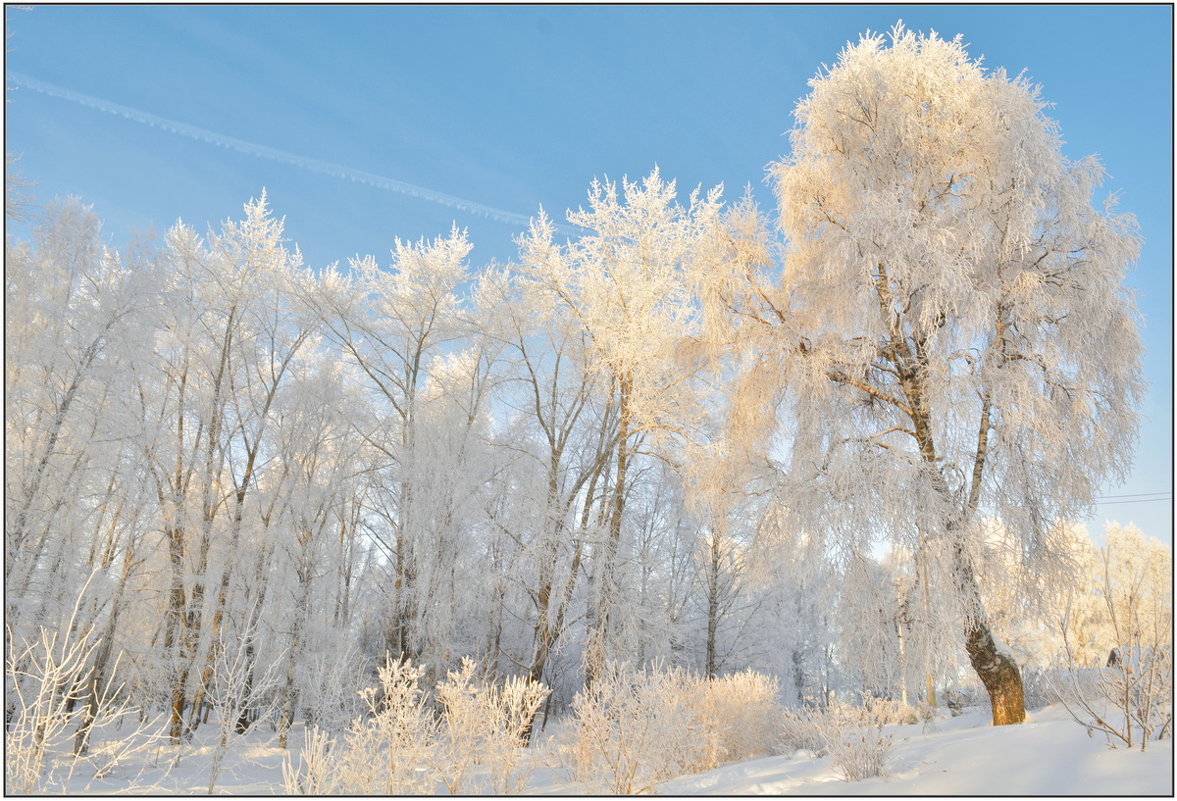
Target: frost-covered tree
{"x":76,"y":510}
{"x":625,"y":281}
{"x":562,"y":430}
{"x":454,"y":464}
{"x":75,"y":320}
{"x":1138,"y":588}
{"x":1129,"y":699}
{"x":952,"y":327}
{"x":391,"y":323}
{"x":798,"y":588}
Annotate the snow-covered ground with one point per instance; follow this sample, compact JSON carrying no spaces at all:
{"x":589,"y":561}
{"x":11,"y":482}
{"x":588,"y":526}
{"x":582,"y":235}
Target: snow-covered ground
{"x":1048,"y":755}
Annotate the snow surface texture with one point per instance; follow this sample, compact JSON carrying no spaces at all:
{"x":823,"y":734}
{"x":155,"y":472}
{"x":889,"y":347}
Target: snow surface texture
{"x":1048,"y":755}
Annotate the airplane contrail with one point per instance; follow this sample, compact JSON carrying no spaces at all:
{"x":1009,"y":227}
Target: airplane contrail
{"x":271,"y":153}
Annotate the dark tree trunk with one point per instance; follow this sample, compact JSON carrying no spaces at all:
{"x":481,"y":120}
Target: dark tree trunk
{"x":998,"y":673}
{"x":997,"y":670}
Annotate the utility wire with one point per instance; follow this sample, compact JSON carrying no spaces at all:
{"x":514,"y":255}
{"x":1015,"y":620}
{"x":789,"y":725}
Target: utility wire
{"x":1140,"y":500}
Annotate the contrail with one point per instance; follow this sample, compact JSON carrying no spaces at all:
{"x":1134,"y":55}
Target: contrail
{"x":273,"y":154}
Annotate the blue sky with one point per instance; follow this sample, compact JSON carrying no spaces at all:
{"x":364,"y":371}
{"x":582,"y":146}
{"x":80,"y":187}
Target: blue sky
{"x":154,"y":113}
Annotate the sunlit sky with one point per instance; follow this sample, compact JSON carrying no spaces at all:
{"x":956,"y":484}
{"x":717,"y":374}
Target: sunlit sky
{"x":366,"y":123}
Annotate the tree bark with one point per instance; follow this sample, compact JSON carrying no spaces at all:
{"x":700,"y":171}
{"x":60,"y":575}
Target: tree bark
{"x":712,"y":599}
{"x":998,"y":673}
{"x":996,"y":669}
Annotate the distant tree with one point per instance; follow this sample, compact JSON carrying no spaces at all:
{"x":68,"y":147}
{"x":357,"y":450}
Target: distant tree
{"x":1137,"y":584}
{"x":951,"y":325}
{"x":1130,"y":700}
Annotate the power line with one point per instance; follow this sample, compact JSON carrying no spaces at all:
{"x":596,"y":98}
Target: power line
{"x":1140,"y":500}
{"x":1135,"y":494}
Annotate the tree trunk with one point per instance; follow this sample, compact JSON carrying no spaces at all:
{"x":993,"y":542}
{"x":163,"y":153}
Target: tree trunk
{"x":606,"y":574}
{"x":712,"y":600}
{"x":302,"y":609}
{"x":996,"y":669}
{"x":929,"y":681}
{"x":998,"y":673}
{"x":174,"y":635}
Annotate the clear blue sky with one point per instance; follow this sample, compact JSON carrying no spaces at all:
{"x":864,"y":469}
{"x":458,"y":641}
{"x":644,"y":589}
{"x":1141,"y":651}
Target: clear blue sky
{"x":509,"y":108}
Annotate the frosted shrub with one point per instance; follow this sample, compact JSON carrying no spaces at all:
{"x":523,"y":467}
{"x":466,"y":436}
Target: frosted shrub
{"x":319,"y":773}
{"x":403,"y":748}
{"x":488,"y":724}
{"x":801,"y":730}
{"x":861,"y":748}
{"x":393,"y":751}
{"x":634,"y":729}
{"x":48,"y":687}
{"x":741,"y":717}
{"x":852,"y":736}
{"x":895,"y":712}
{"x":1130,"y":702}
{"x":855,"y":740}
{"x":390,"y":752}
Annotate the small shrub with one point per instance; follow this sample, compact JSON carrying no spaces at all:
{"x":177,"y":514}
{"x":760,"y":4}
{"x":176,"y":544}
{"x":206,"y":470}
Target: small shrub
{"x":402,"y":748}
{"x":895,"y":712}
{"x":634,"y":729}
{"x":55,"y":705}
{"x":319,"y":772}
{"x":801,"y":730}
{"x":488,"y":724}
{"x":851,"y":735}
{"x":741,"y":717}
{"x":390,"y":752}
{"x":1130,"y":703}
{"x":857,"y":744}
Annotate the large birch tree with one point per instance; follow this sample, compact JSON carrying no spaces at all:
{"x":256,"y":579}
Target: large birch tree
{"x":953,"y":330}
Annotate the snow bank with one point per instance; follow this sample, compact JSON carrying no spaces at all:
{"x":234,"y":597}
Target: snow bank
{"x":1048,"y":755}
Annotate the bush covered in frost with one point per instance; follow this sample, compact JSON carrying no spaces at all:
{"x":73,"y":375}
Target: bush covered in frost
{"x":633,"y":729}
{"x":401,"y":747}
{"x":850,"y":734}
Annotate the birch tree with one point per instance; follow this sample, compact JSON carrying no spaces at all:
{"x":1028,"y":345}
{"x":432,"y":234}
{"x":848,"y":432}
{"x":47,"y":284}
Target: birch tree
{"x":70,"y":331}
{"x":75,"y":510}
{"x":258,"y":361}
{"x":626,"y":282}
{"x":390,"y":323}
{"x":564,"y":439}
{"x":953,"y":330}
